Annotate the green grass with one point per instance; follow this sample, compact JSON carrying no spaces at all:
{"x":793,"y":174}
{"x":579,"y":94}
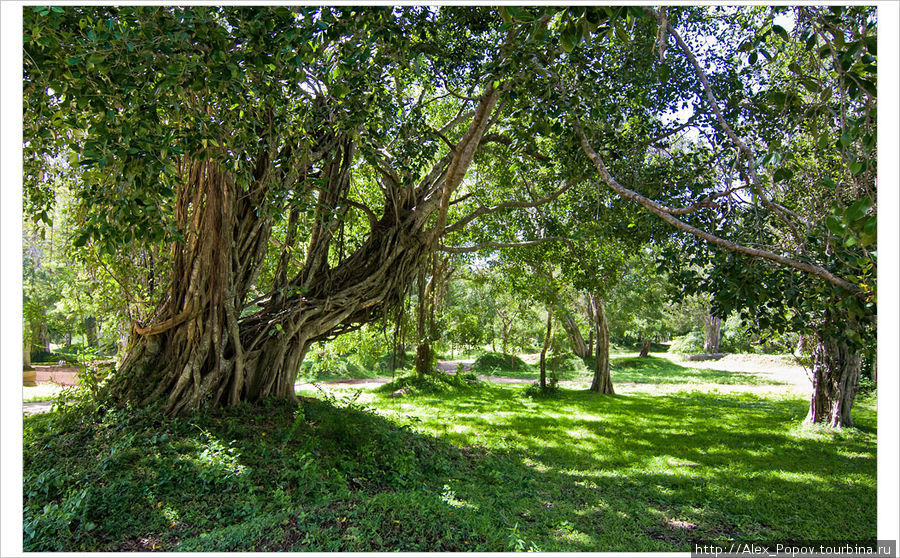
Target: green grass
{"x":643,"y":473}
{"x":450,"y":467}
{"x":660,"y":370}
{"x":647,"y":370}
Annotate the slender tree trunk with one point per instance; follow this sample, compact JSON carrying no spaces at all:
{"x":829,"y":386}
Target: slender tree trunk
{"x":835,"y":377}
{"x":590,"y":343}
{"x":713,"y":331}
{"x":26,"y":351}
{"x":90,"y":331}
{"x":602,"y":381}
{"x":41,"y":336}
{"x":424,"y":354}
{"x":504,"y":336}
{"x":547,"y":336}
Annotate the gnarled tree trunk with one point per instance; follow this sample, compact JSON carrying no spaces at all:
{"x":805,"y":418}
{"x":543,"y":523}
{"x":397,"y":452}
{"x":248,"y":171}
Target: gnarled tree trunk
{"x":602,"y":381}
{"x":835,"y":377}
{"x":579,"y":347}
{"x":202,"y":347}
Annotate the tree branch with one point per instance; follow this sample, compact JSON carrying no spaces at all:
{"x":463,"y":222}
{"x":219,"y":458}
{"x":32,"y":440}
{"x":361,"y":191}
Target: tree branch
{"x":713,"y":103}
{"x":493,"y":245}
{"x":506,"y":140}
{"x":373,"y":219}
{"x":481,"y":211}
{"x":665,"y":215}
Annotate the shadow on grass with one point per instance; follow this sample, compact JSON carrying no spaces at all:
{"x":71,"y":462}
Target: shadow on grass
{"x":482,"y":470}
{"x":670,"y":470}
{"x":656,"y":370}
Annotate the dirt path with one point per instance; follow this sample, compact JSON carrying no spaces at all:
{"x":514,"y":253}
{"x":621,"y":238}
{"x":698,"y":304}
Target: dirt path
{"x":62,"y":375}
{"x":36,"y":407}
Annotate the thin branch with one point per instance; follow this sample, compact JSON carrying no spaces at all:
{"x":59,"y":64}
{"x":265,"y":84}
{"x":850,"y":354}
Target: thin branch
{"x":373,"y":219}
{"x":713,"y":103}
{"x":481,"y":211}
{"x":460,"y":116}
{"x":462,"y":198}
{"x":454,"y":93}
{"x":492,"y":245}
{"x":506,"y":140}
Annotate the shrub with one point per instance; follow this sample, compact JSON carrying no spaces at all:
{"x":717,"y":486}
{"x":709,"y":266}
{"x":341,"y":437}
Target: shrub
{"x":689,"y":343}
{"x":493,"y":362}
{"x":566,"y":362}
{"x":438,"y":382}
{"x":535,"y":391}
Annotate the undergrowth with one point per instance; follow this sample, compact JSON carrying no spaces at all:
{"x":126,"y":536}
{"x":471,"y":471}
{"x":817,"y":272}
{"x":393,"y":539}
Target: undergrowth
{"x":437,"y":382}
{"x":129,"y":479}
{"x":493,"y":362}
{"x":447,"y":467}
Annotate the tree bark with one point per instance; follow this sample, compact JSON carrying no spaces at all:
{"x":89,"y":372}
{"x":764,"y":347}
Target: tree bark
{"x":424,"y":363}
{"x":835,"y":377}
{"x":90,"y":331}
{"x":26,"y":351}
{"x":579,"y":347}
{"x":602,"y":381}
{"x":645,"y":348}
{"x":713,"y":331}
{"x":40,"y":336}
{"x":543,"y":378}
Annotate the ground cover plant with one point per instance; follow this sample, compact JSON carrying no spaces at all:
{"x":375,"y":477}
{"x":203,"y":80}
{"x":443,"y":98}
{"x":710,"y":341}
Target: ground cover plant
{"x":448,"y":465}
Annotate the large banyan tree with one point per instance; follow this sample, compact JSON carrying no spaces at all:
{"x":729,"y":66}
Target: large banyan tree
{"x":295,"y":169}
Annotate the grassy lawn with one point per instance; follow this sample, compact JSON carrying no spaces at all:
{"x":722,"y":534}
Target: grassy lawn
{"x":452,"y":468}
{"x":652,"y":370}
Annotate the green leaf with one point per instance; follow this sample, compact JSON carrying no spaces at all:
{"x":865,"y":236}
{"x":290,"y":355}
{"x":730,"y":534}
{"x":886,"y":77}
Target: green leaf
{"x":871,"y":45}
{"x":781,"y":32}
{"x":835,"y":225}
{"x":856,"y":167}
{"x":858,"y":209}
{"x":567,"y":40}
{"x":811,"y":42}
{"x":783,"y":174}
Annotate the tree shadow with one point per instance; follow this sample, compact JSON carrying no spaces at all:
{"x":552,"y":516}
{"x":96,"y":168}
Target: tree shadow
{"x":577,"y":473}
